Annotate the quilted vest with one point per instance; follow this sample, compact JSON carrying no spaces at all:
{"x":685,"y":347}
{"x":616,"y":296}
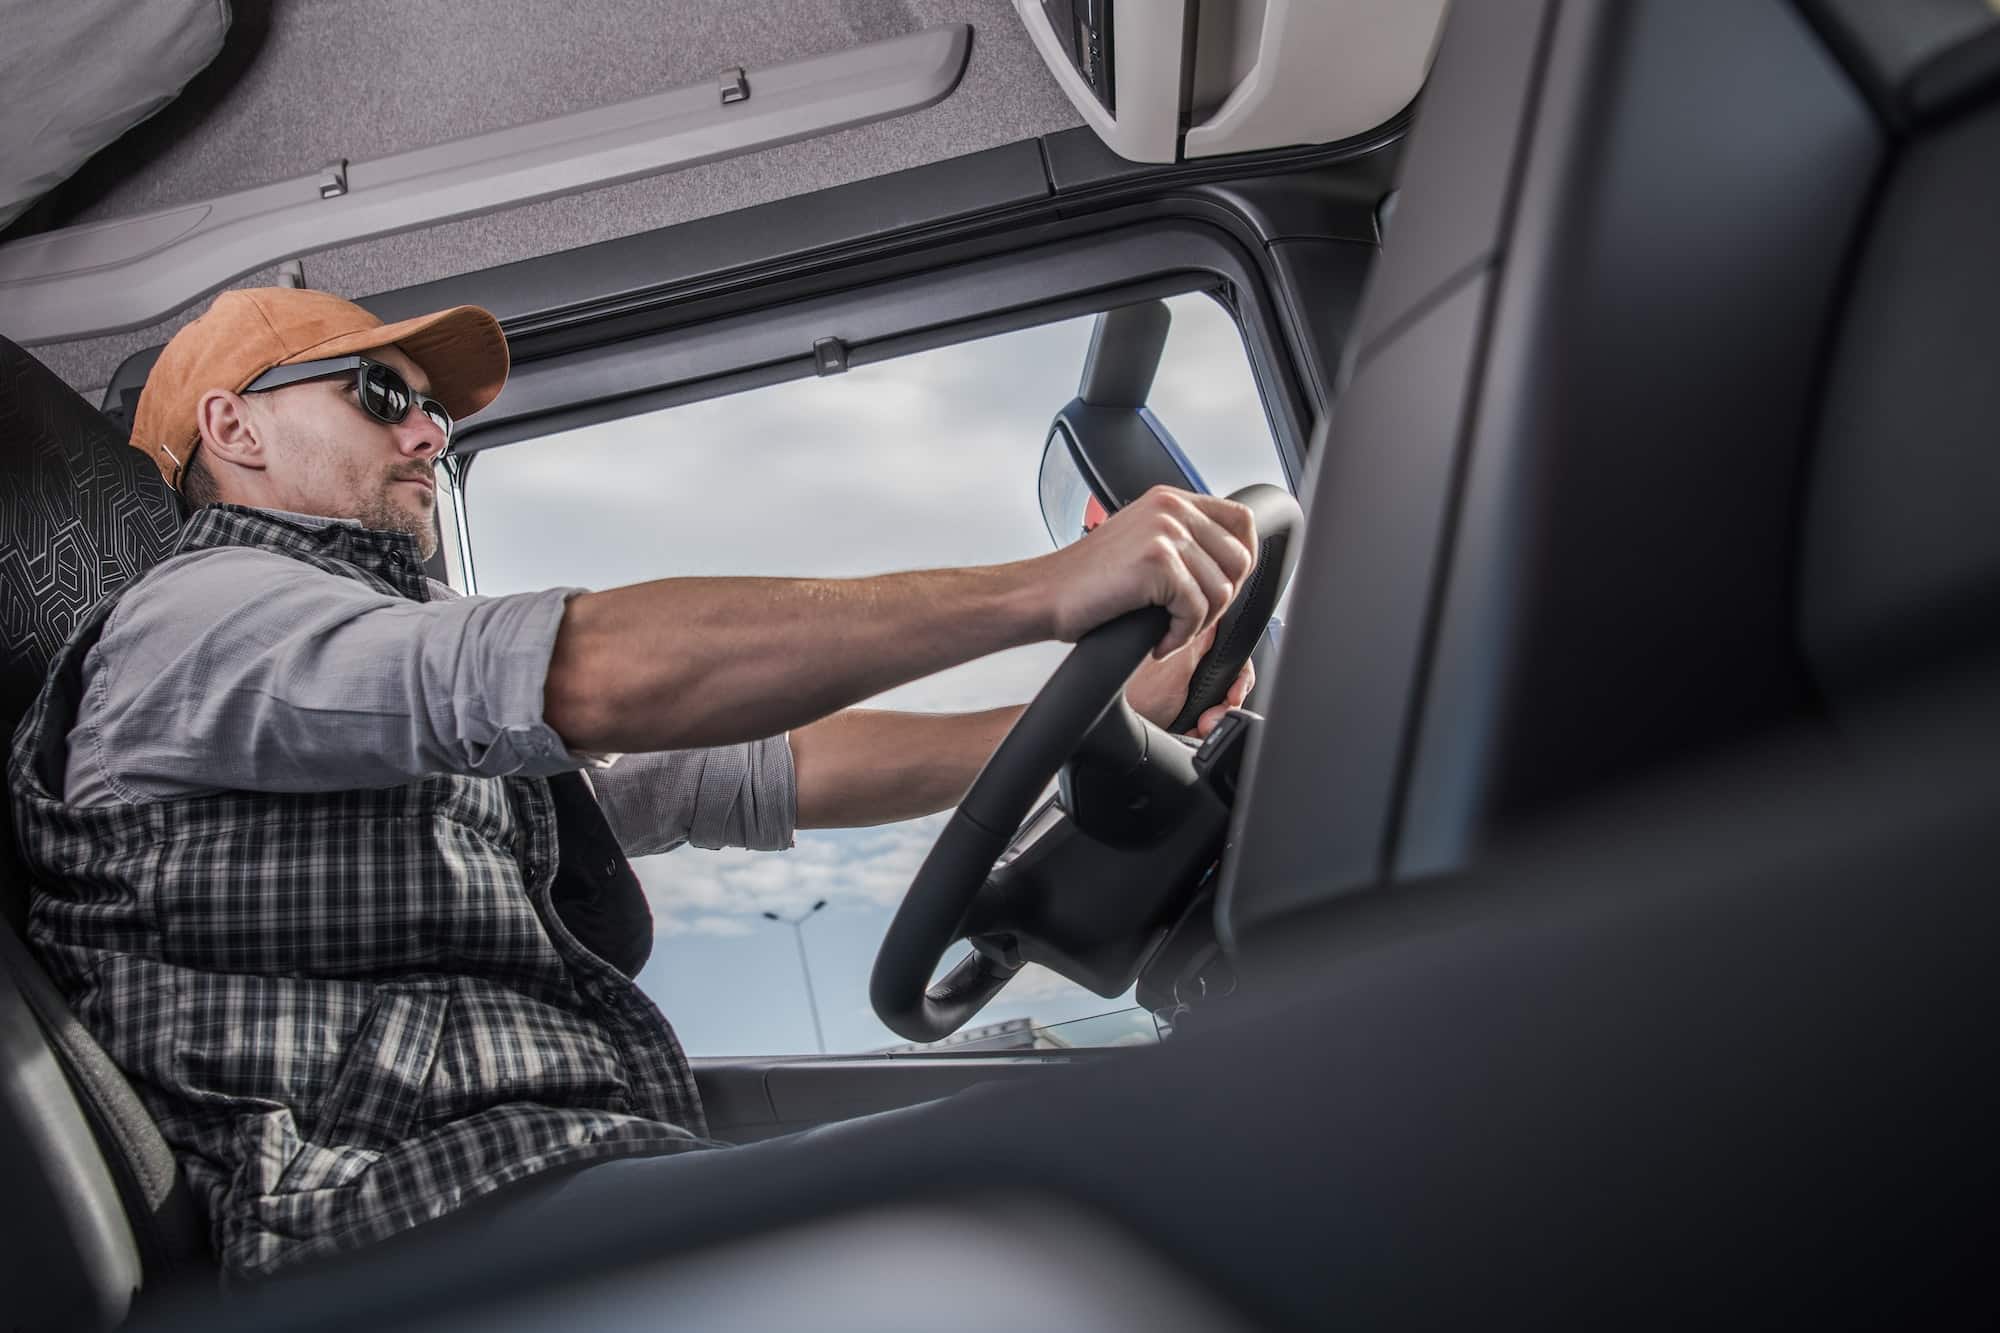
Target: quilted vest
{"x":350,"y":1012}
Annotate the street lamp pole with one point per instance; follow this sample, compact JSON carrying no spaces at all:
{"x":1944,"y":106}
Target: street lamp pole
{"x":797,"y":923}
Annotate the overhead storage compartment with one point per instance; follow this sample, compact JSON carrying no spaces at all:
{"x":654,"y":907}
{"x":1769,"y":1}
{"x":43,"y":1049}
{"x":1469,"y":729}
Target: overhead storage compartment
{"x":1167,"y":80}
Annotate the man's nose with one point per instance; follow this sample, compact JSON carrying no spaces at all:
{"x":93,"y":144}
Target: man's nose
{"x":418,"y":436}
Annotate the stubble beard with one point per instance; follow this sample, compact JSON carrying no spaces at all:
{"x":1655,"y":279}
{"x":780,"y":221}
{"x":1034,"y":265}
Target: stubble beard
{"x":387,"y":515}
{"x":383,"y":509}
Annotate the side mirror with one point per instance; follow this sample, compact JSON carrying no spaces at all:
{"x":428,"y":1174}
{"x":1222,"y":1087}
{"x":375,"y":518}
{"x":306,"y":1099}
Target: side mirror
{"x":1069,"y":507}
{"x":1105,"y":448}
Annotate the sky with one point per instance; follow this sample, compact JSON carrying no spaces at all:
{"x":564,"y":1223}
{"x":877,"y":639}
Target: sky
{"x":928,"y":460}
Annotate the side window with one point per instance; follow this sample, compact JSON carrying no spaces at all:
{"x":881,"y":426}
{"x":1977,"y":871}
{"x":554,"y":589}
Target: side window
{"x":1205,"y":393}
{"x":928,"y":460}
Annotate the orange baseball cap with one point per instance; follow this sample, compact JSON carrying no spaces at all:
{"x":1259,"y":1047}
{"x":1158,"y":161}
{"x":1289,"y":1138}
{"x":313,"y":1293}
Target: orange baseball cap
{"x":246,"y":332}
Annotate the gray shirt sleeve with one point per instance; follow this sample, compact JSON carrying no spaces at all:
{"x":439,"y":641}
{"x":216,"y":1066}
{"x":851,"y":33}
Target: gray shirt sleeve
{"x":239,"y":669}
{"x":723,"y":796}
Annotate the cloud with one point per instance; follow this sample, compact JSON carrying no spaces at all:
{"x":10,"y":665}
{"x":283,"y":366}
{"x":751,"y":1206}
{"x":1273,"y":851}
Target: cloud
{"x":703,"y":892}
{"x":927,"y":460}
{"x":707,"y":924}
{"x":855,"y":474}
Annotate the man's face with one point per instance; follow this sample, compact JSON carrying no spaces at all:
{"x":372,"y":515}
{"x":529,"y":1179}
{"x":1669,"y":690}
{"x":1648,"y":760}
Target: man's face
{"x":325,"y":455}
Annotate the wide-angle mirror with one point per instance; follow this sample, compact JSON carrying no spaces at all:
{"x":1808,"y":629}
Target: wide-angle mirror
{"x":1069,"y":507}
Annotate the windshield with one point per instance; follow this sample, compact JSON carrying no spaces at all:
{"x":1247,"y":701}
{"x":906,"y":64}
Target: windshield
{"x":928,"y":460}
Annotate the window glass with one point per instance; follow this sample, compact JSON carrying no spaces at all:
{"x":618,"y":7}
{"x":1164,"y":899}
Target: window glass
{"x":925,"y":461}
{"x":1205,"y":394}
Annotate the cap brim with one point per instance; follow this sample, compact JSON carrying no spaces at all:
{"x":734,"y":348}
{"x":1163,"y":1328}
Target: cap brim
{"x":462,"y":350}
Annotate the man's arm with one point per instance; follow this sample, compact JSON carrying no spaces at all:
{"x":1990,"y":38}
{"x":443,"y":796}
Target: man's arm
{"x":680,"y":663}
{"x":864,"y":766}
{"x":242,"y":669}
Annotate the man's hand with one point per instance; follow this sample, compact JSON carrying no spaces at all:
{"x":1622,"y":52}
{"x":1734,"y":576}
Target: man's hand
{"x":1171,"y":548}
{"x":1159,"y":687}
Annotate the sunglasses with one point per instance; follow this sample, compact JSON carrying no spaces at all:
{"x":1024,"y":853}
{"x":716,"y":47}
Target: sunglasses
{"x":382,"y":392}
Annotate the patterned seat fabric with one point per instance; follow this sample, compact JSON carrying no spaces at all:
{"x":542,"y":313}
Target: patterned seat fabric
{"x":97,"y":1208}
{"x":81,"y":515}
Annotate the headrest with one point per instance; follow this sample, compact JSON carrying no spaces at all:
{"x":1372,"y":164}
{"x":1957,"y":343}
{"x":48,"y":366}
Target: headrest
{"x":1918,"y":60}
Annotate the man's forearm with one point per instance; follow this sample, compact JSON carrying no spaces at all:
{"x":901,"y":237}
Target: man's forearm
{"x":862,"y":766}
{"x":680,"y":663}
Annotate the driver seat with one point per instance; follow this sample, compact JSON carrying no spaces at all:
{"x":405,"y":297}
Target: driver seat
{"x":97,"y":1211}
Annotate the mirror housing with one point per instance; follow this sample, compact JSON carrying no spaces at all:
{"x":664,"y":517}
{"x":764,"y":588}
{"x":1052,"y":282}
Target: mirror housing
{"x":1105,"y":443}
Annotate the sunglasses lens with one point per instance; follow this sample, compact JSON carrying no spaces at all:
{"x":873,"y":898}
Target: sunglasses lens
{"x":439,"y":417}
{"x":384,"y":394}
{"x":387,"y":397}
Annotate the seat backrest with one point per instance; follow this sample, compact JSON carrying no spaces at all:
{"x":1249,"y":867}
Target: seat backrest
{"x":95,"y":1208}
{"x":1668,"y":419}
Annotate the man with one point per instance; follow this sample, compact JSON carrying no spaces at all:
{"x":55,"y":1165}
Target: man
{"x":317,"y":867}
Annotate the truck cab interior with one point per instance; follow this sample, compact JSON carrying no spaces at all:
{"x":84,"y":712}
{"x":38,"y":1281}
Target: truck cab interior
{"x":1589,"y":919}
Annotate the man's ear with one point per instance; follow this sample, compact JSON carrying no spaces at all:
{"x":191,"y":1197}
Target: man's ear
{"x":231,"y":429}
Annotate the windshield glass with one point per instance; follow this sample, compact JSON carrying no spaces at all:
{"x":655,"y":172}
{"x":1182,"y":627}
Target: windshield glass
{"x":928,"y":460}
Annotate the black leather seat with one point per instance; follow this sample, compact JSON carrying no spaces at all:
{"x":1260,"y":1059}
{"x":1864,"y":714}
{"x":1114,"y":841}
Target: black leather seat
{"x":1668,"y":420}
{"x":95,"y":1209}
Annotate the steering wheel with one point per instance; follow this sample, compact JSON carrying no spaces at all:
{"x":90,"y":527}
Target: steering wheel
{"x":1080,"y":713}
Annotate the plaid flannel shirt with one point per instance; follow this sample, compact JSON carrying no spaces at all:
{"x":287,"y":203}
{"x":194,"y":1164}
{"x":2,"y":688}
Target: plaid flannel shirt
{"x":349,"y":1012}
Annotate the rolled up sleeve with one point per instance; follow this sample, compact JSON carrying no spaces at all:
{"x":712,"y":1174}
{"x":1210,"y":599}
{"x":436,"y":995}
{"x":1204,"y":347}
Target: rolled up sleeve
{"x":242,"y":669}
{"x":723,"y":796}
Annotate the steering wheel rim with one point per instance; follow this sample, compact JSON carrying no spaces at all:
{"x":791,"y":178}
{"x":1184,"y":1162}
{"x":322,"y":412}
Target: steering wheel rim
{"x":1085,"y":688}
